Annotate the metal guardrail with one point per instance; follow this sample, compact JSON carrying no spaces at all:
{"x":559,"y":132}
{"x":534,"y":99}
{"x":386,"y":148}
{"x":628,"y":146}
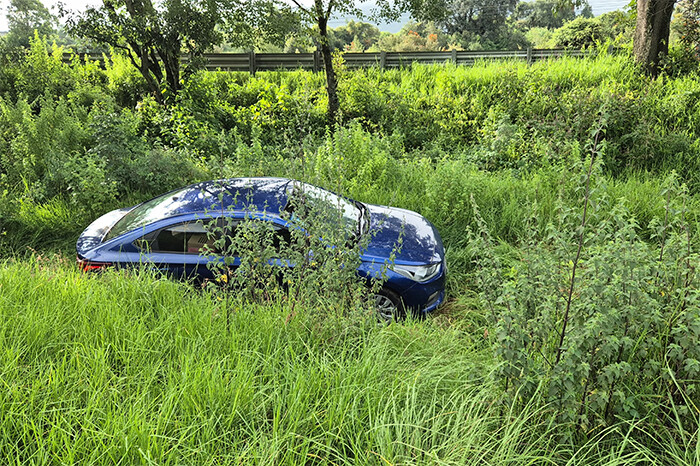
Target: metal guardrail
{"x":253,"y":62}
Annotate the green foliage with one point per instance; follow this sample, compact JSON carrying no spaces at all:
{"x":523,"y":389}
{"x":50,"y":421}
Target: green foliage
{"x":540,"y":38}
{"x":70,"y":141}
{"x":36,"y":146}
{"x":681,"y":60}
{"x":124,"y":82}
{"x":579,"y":33}
{"x":257,"y":23}
{"x":43,"y":73}
{"x":616,"y":26}
{"x":40,"y":72}
{"x":311,"y":264}
{"x":144,"y":30}
{"x":130,"y":161}
{"x":488,"y":26}
{"x":619,"y":25}
{"x":543,"y":14}
{"x":25,"y":19}
{"x":686,"y":24}
{"x":605,"y":323}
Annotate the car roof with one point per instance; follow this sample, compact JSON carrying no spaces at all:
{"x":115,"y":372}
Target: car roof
{"x":241,"y":194}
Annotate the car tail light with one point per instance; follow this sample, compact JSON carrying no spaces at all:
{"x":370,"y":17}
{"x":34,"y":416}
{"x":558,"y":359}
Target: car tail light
{"x":89,"y":266}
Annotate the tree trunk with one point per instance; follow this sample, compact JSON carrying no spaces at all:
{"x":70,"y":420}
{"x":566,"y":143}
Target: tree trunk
{"x":170,"y":56}
{"x":148,"y":70}
{"x":331,"y":80}
{"x":651,"y":33}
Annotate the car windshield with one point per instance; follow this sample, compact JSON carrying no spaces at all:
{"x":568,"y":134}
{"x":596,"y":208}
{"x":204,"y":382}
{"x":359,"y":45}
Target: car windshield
{"x":318,"y":200}
{"x":159,"y":208}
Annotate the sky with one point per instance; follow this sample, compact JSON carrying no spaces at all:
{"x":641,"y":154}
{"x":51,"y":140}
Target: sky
{"x":599,"y":7}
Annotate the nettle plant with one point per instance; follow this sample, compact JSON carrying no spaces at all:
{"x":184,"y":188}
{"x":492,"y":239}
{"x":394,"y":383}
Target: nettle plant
{"x":311,"y":264}
{"x":602,"y":323}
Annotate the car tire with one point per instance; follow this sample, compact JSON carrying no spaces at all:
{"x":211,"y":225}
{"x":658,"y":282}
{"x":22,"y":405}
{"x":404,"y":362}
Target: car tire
{"x":389,"y":306}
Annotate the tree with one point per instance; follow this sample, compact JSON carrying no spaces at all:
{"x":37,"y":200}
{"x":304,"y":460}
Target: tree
{"x":320,"y":12}
{"x":652,"y":32}
{"x":550,"y":14}
{"x":355,"y":36}
{"x":152,"y":37}
{"x":477,"y":24}
{"x":155,"y":35}
{"x":483,"y":18}
{"x":26,"y":16}
{"x":254,"y":24}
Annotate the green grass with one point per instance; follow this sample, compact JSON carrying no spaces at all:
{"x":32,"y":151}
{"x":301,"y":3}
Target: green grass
{"x":133,"y":369}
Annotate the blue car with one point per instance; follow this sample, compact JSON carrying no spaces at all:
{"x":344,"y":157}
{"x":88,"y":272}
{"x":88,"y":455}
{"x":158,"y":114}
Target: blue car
{"x":167,"y":231}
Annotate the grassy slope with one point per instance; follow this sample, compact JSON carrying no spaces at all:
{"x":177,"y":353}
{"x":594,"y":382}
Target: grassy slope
{"x":113,"y":369}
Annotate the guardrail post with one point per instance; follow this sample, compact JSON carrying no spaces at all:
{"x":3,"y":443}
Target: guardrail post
{"x":382,"y":60}
{"x":454,"y":56}
{"x":317,"y":61}
{"x":251,"y":62}
{"x":529,"y":55}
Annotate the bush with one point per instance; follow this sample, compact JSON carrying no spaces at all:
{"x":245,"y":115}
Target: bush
{"x":606,"y":325}
{"x":44,"y":74}
{"x":312,"y":265}
{"x":124,"y":81}
{"x":578,"y":33}
{"x":133,"y":163}
{"x":36,"y":146}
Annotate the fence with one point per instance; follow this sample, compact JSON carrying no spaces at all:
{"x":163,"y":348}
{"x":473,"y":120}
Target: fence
{"x":253,"y":62}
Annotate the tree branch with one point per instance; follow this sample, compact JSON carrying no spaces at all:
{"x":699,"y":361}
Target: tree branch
{"x":302,"y":8}
{"x":331,"y":4}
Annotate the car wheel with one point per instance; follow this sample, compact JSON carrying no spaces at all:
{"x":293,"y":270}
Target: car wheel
{"x":389,"y":306}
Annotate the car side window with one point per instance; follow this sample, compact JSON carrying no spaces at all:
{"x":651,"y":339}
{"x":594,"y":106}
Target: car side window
{"x":282,"y":238}
{"x":183,"y":238}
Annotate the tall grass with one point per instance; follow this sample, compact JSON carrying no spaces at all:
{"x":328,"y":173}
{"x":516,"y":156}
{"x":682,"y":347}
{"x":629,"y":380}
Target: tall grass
{"x":122,"y":369}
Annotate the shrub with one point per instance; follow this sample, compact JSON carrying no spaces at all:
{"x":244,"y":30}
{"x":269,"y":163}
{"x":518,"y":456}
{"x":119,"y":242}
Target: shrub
{"x":312,"y":264}
{"x":578,"y":33}
{"x":132,"y":162}
{"x":602,"y":321}
{"x":35,"y":146}
{"x":124,"y":81}
{"x":43,"y":73}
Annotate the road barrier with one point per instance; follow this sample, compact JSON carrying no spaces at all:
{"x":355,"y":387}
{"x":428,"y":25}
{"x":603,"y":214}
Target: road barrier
{"x":253,"y":62}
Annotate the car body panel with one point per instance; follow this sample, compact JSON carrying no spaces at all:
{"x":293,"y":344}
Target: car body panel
{"x":92,"y":236}
{"x":417,"y":238}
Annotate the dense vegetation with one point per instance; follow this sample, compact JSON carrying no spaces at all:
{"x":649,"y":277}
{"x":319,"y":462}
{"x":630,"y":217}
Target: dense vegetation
{"x":566,"y":193}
